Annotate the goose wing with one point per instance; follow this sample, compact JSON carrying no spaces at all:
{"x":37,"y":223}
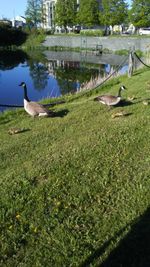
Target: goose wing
{"x":36,"y":109}
{"x":39,"y":108}
{"x":107,"y":99}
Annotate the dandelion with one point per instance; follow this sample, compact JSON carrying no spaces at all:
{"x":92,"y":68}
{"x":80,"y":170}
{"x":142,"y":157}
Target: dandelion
{"x":18,"y":216}
{"x":58,"y":203}
{"x":35,"y":230}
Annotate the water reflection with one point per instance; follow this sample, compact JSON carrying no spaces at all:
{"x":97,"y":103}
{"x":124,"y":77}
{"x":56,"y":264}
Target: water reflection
{"x":38,"y":69}
{"x":39,"y":75}
{"x":11,"y":59}
{"x":73,"y":70}
{"x":49,"y":74}
{"x":70,"y":76}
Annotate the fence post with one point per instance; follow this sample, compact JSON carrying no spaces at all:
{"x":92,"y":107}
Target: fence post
{"x":131,"y":63}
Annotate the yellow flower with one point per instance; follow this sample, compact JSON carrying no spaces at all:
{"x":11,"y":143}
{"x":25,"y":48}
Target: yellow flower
{"x":35,"y":230}
{"x":18,"y":216}
{"x":58,"y":203}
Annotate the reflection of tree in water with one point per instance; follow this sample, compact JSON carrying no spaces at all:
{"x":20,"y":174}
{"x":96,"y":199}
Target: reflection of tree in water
{"x":69,"y":77}
{"x":38,"y":71}
{"x":39,"y":74}
{"x":9,"y":59}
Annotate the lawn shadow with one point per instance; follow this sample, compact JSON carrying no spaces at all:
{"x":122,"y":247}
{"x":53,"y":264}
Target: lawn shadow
{"x":124,"y":103}
{"x":132,"y":251}
{"x":128,"y":114}
{"x":100,"y":251}
{"x":61,"y":113}
{"x":146,"y":99}
{"x":24,"y":130}
{"x":4,"y":121}
{"x":141,"y":100}
{"x":54,"y":103}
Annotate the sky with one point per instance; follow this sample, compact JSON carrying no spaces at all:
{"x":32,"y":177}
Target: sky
{"x":12,"y":8}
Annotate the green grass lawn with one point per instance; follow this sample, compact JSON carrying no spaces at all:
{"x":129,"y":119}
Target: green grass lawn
{"x":74,"y":189}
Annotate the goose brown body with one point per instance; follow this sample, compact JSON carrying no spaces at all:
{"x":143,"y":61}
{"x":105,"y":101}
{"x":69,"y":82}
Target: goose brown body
{"x":110,"y":100}
{"x":34,"y":108}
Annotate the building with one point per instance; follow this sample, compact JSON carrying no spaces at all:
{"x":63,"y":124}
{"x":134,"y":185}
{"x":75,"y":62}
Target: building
{"x":18,"y":21}
{"x":49,"y":8}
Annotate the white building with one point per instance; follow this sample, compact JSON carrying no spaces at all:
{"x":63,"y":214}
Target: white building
{"x":18,"y":21}
{"x":49,"y":7}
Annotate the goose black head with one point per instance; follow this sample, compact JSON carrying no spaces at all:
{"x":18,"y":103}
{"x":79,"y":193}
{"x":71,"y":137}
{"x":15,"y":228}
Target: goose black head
{"x":22,"y":84}
{"x":122,"y":87}
{"x":96,"y":98}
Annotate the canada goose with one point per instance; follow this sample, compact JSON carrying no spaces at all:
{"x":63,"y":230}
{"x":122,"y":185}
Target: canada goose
{"x":110,"y":100}
{"x":34,"y":108}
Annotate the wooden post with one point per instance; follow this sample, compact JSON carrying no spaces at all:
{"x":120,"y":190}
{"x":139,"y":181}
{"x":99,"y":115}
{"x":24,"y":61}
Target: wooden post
{"x":131,"y":63}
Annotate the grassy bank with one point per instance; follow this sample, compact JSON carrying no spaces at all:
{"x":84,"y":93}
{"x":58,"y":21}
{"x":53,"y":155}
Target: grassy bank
{"x":74,"y":189}
{"x":34,"y":40}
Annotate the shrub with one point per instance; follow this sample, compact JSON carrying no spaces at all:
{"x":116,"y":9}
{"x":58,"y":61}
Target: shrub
{"x":92,"y":32}
{"x":11,"y":36}
{"x":49,"y":32}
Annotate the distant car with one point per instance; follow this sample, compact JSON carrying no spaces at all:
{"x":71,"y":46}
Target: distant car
{"x":126,"y":33}
{"x":77,"y":28}
{"x":143,"y":31}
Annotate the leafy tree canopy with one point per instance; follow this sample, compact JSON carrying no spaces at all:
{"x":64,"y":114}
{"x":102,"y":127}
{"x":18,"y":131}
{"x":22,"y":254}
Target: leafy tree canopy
{"x":65,"y":12}
{"x":34,"y":11}
{"x":88,"y":14}
{"x":139,"y":13}
{"x":113,"y":12}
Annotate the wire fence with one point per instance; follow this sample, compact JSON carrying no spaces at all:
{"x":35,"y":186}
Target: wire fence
{"x":21,"y":106}
{"x":115,"y":72}
{"x":141,"y":60}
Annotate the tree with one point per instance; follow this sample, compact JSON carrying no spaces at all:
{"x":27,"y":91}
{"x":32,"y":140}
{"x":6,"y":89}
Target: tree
{"x":88,"y":12}
{"x":65,"y":13}
{"x":11,"y":36}
{"x":34,"y":11}
{"x":139,"y":13}
{"x":113,"y":12}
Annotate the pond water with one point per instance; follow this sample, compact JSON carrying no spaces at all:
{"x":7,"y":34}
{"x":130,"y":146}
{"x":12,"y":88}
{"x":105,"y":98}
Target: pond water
{"x":49,"y":74}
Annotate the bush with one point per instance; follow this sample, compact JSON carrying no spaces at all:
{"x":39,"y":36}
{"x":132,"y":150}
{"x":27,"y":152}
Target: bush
{"x":5,"y":25}
{"x":50,"y":32}
{"x":35,"y":38}
{"x":11,"y":36}
{"x":92,"y":32}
